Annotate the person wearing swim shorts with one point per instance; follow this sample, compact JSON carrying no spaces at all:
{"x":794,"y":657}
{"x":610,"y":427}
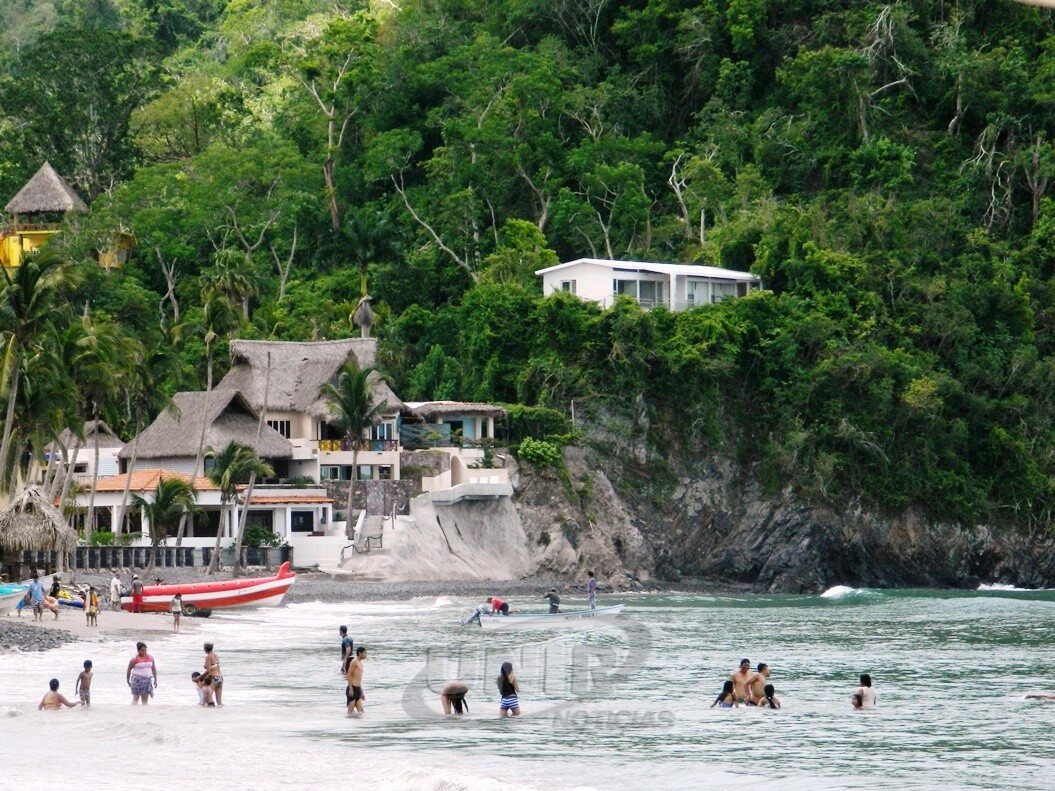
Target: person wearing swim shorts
{"x":509,"y":689}
{"x":212,"y":668}
{"x":591,"y":590}
{"x":83,"y":688}
{"x":142,"y":675}
{"x":36,"y":597}
{"x":353,"y":693}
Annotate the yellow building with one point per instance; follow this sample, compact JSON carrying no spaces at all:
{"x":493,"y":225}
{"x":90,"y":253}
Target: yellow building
{"x":36,"y":215}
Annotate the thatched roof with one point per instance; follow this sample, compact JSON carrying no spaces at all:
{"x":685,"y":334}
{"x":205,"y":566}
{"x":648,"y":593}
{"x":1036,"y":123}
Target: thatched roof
{"x":47,"y":191}
{"x":430,"y":410}
{"x":176,"y":431}
{"x":31,"y":523}
{"x":92,"y":429}
{"x":298,"y":370}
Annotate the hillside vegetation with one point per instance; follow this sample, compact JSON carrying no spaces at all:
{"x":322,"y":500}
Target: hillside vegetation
{"x":884,"y":167}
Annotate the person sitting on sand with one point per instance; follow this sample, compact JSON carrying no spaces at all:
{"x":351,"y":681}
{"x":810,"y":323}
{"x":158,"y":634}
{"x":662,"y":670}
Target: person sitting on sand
{"x":769,"y":699}
{"x":726,"y":698}
{"x":53,"y":699}
{"x":453,"y":696}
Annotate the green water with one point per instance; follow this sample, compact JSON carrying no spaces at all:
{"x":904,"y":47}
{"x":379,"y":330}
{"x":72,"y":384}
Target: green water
{"x":619,"y":706}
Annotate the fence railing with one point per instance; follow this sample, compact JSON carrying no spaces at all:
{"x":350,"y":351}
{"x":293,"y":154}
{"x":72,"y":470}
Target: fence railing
{"x":167,"y":557}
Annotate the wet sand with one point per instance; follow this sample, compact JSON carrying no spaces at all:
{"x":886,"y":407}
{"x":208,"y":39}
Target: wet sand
{"x":113,"y":625}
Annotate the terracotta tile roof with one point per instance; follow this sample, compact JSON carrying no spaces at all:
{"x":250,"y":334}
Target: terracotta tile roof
{"x":147,"y":480}
{"x":295,"y":499}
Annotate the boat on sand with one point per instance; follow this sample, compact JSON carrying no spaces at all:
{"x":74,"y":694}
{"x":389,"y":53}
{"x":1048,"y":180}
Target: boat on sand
{"x":252,"y":592}
{"x":535,"y":620}
{"x":10,"y":596}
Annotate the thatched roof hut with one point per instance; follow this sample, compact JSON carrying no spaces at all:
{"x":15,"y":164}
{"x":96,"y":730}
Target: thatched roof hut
{"x":46,"y":192}
{"x":298,"y":370}
{"x":175,"y":433}
{"x":434,"y":410}
{"x":31,"y":523}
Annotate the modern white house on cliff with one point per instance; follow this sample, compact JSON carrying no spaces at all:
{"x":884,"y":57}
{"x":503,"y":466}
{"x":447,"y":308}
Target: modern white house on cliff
{"x":676,"y":286}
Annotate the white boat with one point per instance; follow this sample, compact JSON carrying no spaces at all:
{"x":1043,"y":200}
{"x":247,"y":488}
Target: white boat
{"x":534,"y":620}
{"x":10,"y":596}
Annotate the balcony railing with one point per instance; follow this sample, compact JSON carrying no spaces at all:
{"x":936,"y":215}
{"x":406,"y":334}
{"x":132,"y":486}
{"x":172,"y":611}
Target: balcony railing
{"x":375,"y":445}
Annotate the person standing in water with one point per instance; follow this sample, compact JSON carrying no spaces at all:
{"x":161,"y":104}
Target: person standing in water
{"x":453,"y":697}
{"x":554,"y":600}
{"x":867,"y":693}
{"x":53,"y":699}
{"x":212,"y":668}
{"x":347,"y":647}
{"x":354,"y":692}
{"x":176,"y":608}
{"x":509,"y":689}
{"x":83,"y":688}
{"x":740,"y":678}
{"x":142,"y":675}
{"x":755,"y":685}
{"x":591,"y":590}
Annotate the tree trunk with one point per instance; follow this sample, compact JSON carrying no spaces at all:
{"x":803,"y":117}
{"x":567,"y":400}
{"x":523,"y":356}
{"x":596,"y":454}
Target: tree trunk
{"x":214,"y":561}
{"x":120,"y":528}
{"x":351,"y":489}
{"x":237,"y":570}
{"x":197,"y":464}
{"x":9,"y":421}
{"x":89,"y":522}
{"x":68,"y":480}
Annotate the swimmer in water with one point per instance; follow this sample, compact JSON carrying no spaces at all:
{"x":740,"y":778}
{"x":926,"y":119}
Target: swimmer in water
{"x":726,"y":698}
{"x":769,"y":698}
{"x":53,"y":699}
{"x":855,"y":700}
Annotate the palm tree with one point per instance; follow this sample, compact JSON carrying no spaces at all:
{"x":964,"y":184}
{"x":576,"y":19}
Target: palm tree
{"x":231,"y":466}
{"x":350,"y":404}
{"x":172,"y":498}
{"x":29,"y":296}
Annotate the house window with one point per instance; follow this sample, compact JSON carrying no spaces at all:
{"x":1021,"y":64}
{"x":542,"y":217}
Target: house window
{"x":624,"y":288}
{"x":722,"y":291}
{"x":366,"y":472}
{"x":326,"y":431}
{"x":302,"y":521}
{"x":281,"y":426}
{"x":332,"y":472}
{"x":381,"y":431}
{"x":80,"y":468}
{"x":384,"y":472}
{"x":650,"y":292}
{"x":567,"y":286}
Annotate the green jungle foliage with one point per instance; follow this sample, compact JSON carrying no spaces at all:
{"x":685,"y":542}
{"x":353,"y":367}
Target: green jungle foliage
{"x":884,"y":167}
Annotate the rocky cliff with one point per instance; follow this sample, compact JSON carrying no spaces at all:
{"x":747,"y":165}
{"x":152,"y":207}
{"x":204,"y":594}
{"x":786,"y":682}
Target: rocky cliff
{"x":629,"y":512}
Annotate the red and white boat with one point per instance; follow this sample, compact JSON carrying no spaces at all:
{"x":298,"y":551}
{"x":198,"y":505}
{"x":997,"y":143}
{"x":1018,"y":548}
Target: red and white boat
{"x":255,"y":592}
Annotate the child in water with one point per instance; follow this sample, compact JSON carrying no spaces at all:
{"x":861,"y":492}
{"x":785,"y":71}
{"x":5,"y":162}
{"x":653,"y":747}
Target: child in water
{"x":83,"y":687}
{"x":204,"y":685}
{"x":858,"y":705}
{"x":726,"y":698}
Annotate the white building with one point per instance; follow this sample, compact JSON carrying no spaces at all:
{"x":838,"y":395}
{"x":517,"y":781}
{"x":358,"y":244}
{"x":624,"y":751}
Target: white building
{"x":677,"y":286}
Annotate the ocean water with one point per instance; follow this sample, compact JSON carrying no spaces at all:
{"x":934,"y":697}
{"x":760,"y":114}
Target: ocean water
{"x":624,"y":705}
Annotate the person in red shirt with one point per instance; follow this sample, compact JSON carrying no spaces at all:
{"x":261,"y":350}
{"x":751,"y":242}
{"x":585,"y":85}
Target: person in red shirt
{"x":499,"y":606}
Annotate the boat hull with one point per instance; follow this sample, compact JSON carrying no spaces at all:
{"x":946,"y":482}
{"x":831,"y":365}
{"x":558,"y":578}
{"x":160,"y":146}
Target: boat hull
{"x":255,"y":592}
{"x":540,"y":620}
{"x":10,"y":596}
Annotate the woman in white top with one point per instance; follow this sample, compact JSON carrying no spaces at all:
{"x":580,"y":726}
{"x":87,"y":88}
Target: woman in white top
{"x":868,"y":695}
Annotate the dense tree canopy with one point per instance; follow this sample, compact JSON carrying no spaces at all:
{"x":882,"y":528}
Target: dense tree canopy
{"x":884,"y":167}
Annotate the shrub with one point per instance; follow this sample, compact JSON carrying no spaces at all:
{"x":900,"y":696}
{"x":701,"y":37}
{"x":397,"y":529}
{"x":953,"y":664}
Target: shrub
{"x":540,"y":452}
{"x":259,"y":536}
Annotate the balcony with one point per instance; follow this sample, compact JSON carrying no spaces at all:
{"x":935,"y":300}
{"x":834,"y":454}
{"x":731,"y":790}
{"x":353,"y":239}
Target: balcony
{"x":375,"y":445}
